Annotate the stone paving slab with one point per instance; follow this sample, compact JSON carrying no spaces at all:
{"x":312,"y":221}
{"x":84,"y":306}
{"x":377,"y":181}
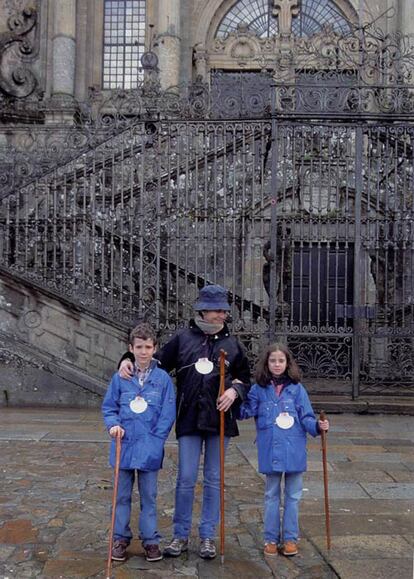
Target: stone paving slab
{"x":374,"y":569}
{"x":34,"y":436}
{"x":312,"y":505}
{"x":389,"y":490}
{"x":358,"y":476}
{"x":344,"y":523}
{"x":362,"y":465}
{"x":340,"y":490}
{"x":400,"y":475}
{"x":374,"y":546}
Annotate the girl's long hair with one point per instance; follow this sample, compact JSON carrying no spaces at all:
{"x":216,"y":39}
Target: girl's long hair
{"x":263,"y":375}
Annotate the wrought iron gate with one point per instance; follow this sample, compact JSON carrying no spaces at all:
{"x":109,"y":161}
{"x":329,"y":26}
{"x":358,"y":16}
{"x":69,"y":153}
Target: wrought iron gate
{"x":304,"y":210}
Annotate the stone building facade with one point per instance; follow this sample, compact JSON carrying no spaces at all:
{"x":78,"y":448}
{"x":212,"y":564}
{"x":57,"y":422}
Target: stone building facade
{"x":148,"y":147}
{"x":190,"y":37}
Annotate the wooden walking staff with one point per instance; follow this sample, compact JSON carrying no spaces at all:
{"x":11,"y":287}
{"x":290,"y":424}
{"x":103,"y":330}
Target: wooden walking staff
{"x":322,"y":416}
{"x":114,"y":497}
{"x":221,"y":392}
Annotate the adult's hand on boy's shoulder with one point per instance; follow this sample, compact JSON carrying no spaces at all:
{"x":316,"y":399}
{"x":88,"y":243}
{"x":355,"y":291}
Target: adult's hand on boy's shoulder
{"x":115,"y":431}
{"x":126,"y":369}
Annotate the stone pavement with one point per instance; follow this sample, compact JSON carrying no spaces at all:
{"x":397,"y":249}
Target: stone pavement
{"x":55,"y":497}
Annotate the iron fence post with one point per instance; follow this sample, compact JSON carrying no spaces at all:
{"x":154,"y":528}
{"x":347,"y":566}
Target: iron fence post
{"x":273,"y":223}
{"x":356,"y":338}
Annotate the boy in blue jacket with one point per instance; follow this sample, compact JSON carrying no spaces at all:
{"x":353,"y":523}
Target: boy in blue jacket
{"x":142,"y":411}
{"x":284,"y":415}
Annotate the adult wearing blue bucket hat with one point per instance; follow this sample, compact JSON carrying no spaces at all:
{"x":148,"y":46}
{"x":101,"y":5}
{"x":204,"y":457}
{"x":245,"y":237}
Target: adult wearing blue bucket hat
{"x":194,"y":354}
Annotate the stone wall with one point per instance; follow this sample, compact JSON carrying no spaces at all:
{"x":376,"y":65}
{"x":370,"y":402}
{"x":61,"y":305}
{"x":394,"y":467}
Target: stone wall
{"x":52,"y":353}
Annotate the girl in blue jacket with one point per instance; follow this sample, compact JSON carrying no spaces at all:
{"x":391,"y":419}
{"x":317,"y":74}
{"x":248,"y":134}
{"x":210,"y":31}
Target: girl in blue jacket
{"x":283,"y":414}
{"x":142,"y":411}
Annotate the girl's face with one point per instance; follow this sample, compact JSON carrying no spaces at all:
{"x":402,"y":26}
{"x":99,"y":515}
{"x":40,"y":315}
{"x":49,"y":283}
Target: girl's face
{"x":277,"y":363}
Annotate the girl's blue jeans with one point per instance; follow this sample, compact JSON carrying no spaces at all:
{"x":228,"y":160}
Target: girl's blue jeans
{"x":147,"y":487}
{"x":189,"y":453}
{"x":292,"y":495}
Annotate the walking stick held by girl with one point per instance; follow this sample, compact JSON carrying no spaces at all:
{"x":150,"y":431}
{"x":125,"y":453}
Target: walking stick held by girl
{"x":114,"y":496}
{"x":221,"y":392}
{"x":322,"y":417}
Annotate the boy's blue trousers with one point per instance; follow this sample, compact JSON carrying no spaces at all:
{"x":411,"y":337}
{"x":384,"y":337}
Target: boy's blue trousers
{"x":147,"y":487}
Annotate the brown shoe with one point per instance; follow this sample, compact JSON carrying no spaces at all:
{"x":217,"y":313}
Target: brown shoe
{"x":152,"y":553}
{"x":119,"y":550}
{"x":270,"y":549}
{"x":289,"y":549}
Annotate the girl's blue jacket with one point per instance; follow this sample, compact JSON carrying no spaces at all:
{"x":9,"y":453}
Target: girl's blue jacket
{"x":142,"y":446}
{"x":280,"y":450}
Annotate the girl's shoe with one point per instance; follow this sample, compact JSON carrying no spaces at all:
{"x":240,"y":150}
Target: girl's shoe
{"x":270,"y":549}
{"x":289,"y":549}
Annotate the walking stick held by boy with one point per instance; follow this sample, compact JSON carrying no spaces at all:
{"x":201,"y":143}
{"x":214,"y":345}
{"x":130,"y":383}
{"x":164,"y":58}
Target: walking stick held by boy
{"x":114,"y":496}
{"x":221,"y":392}
{"x":322,"y":417}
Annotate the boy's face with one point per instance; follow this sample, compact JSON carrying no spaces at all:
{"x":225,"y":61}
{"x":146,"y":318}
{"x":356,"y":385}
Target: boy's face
{"x":143,"y":351}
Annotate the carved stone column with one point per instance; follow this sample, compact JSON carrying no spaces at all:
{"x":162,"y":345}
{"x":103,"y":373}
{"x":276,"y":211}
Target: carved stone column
{"x":167,"y":42}
{"x":406,"y":17}
{"x":201,"y":61}
{"x":64,"y":48}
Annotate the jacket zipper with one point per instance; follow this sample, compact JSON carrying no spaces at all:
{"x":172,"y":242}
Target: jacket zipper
{"x":179,"y":405}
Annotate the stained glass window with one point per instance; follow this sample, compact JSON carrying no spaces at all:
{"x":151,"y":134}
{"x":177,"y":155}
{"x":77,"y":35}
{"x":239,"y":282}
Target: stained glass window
{"x":124,"y":43}
{"x":257,"y":15}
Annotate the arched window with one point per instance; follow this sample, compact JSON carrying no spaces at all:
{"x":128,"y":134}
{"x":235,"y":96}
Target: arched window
{"x":124,"y":43}
{"x":258,"y":16}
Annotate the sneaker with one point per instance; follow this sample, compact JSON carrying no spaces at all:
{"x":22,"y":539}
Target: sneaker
{"x":289,"y":549}
{"x":176,"y":547}
{"x":207,"y":549}
{"x":270,"y":549}
{"x":119,"y":550}
{"x":152,"y":553}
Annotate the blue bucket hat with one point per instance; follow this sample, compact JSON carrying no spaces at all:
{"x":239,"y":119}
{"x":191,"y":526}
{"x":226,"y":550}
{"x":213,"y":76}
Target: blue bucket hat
{"x":212,"y":297}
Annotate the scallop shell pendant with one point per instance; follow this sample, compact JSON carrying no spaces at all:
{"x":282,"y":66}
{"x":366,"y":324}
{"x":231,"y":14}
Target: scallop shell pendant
{"x":204,"y":366}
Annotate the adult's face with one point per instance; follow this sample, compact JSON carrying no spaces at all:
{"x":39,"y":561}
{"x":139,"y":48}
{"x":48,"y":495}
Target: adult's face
{"x":214,"y":316}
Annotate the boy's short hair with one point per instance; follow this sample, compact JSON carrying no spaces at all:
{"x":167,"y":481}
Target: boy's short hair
{"x":144,"y":331}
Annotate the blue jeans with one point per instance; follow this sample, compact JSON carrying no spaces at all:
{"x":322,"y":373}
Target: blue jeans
{"x":147,"y":487}
{"x":292,"y":496}
{"x":189,"y":453}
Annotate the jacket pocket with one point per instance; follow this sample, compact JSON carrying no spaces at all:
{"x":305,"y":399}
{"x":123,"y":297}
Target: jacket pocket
{"x":296,"y":453}
{"x":152,"y":452}
{"x":265,"y":415}
{"x":287,"y":405}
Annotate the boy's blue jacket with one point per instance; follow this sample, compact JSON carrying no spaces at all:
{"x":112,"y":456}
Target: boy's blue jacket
{"x":142,"y":446}
{"x":280,"y":450}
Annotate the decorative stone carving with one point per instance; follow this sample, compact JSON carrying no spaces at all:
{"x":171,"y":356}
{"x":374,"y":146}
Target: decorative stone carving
{"x":17,"y":45}
{"x":284,"y":10}
{"x":31,"y":321}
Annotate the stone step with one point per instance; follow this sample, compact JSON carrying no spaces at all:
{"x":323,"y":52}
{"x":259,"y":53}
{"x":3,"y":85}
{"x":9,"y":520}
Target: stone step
{"x":338,"y":404}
